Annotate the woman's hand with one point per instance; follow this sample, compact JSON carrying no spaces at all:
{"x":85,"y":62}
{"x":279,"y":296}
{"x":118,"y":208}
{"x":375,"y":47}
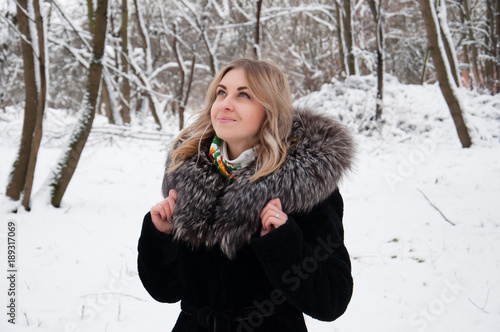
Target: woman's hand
{"x":161,"y":213}
{"x":272,"y":216}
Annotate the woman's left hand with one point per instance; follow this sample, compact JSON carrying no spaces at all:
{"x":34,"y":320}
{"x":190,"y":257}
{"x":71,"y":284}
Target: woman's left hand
{"x":272,"y":216}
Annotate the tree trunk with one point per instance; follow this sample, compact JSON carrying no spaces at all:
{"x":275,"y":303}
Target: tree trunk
{"x":153,"y":109}
{"x":472,"y":47}
{"x":184,"y":101}
{"x":42,"y":94}
{"x":492,"y":74}
{"x":446,"y":81}
{"x":256,"y":46}
{"x":447,"y":40}
{"x":182,"y":92}
{"x":107,"y":95}
{"x":182,"y":77}
{"x":424,"y":69}
{"x":106,"y":100}
{"x":90,"y":16}
{"x":376,"y":9}
{"x":496,"y":49}
{"x":17,"y":177}
{"x":212,"y":63}
{"x":125,"y":86}
{"x":340,"y":34}
{"x":148,"y":60}
{"x":348,"y":37}
{"x":470,"y":79}
{"x":70,"y":158}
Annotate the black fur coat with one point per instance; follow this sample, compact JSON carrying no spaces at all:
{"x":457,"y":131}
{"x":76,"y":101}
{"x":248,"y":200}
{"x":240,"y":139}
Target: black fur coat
{"x":227,"y":277}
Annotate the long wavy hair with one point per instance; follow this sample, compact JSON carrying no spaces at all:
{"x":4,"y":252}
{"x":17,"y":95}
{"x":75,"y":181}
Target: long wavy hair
{"x":271,"y":89}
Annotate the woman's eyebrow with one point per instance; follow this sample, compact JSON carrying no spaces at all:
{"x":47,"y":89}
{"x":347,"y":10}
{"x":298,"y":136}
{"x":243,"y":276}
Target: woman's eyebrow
{"x":239,"y":89}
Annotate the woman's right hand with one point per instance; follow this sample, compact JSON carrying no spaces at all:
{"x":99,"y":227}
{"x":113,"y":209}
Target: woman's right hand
{"x":161,"y":213}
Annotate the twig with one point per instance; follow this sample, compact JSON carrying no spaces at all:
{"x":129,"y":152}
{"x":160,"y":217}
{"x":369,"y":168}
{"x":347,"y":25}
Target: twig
{"x":115,"y":293}
{"x":485,"y":302}
{"x":435,"y":207}
{"x":77,"y":31}
{"x":16,"y":30}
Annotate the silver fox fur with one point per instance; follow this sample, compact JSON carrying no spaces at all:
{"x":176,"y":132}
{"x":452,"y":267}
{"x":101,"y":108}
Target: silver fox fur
{"x":209,"y":213}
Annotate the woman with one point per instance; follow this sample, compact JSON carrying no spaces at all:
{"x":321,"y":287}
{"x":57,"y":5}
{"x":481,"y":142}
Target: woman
{"x":250,"y":234}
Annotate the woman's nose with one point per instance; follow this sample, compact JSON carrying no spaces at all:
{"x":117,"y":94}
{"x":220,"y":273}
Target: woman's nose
{"x":227,"y":103}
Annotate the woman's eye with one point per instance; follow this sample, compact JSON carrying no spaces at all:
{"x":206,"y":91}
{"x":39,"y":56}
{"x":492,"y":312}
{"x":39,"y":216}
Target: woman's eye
{"x":221,"y":93}
{"x":244,"y":95}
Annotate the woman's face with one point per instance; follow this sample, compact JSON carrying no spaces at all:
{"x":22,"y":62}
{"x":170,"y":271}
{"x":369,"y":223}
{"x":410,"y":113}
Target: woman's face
{"x":236,"y":115}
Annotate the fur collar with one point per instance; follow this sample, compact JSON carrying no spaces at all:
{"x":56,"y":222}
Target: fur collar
{"x":208,"y":213}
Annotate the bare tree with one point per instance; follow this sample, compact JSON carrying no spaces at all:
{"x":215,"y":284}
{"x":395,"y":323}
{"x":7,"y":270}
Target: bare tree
{"x":493,"y":61}
{"x":376,"y":8}
{"x":32,"y":45}
{"x":256,"y":47}
{"x":184,"y":88}
{"x":313,"y":41}
{"x":344,"y":8}
{"x":144,"y":74}
{"x":341,"y":37}
{"x":105,"y":99}
{"x":124,"y":54}
{"x":470,"y":43}
{"x":444,"y":74}
{"x":108,"y":98}
{"x":68,"y":162}
{"x":90,"y":16}
{"x":10,"y":61}
{"x":40,"y":109}
{"x":441,"y":14}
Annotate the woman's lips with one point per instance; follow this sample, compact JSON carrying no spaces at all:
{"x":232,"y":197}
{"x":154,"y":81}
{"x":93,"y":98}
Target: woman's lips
{"x":225,"y":119}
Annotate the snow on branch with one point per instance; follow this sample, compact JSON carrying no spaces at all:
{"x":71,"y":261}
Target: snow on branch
{"x":272,"y":13}
{"x":77,"y":31}
{"x":75,"y":52}
{"x":19,"y":33}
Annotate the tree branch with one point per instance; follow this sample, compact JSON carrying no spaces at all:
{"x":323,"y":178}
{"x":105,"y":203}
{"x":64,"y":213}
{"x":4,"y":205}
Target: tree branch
{"x":437,"y":209}
{"x":84,"y":41}
{"x":17,"y":31}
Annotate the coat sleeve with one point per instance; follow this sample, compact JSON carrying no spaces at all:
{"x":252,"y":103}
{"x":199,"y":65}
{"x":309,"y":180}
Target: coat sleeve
{"x":157,"y":263}
{"x":306,"y":260}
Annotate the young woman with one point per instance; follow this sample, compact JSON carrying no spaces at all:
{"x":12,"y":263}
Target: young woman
{"x":250,"y":234}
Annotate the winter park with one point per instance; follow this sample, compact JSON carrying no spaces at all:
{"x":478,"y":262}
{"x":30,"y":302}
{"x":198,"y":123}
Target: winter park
{"x":93,"y":94}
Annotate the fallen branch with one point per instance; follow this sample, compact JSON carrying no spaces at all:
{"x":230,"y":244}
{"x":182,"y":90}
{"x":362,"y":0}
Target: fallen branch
{"x":435,"y":207}
{"x":485,"y":302}
{"x":114,"y":293}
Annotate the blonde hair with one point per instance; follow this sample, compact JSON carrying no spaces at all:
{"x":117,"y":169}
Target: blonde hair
{"x":270,"y":87}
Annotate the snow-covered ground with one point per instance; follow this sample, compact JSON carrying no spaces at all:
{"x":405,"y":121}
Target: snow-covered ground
{"x":413,"y":269}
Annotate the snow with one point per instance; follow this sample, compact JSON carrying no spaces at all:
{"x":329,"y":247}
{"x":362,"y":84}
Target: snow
{"x":413,"y":270}
{"x":441,"y":14}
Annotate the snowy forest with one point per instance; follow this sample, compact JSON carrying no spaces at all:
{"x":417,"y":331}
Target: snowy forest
{"x":92,"y":92}
{"x":135,"y":59}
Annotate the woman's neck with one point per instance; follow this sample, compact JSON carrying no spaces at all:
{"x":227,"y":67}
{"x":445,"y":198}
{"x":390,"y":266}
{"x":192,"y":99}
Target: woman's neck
{"x":234,"y":150}
{"x":241,"y":159}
